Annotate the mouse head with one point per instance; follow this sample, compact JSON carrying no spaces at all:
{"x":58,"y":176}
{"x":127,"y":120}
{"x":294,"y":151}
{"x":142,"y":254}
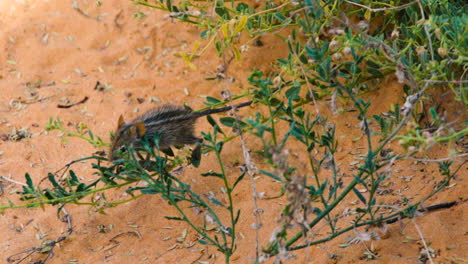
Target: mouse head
{"x":126,"y":134}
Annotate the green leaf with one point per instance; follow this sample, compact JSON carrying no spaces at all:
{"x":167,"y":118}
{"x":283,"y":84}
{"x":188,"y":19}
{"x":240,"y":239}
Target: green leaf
{"x":217,"y":202}
{"x":372,"y":64}
{"x":149,"y":191}
{"x":29,"y":181}
{"x":270,"y":175}
{"x":374,"y":72}
{"x":81,"y":187}
{"x":214,"y":174}
{"x":218,"y":47}
{"x":241,"y":7}
{"x":239,"y":178}
{"x":212,"y":100}
{"x":433,"y":113}
{"x":196,"y":157}
{"x":214,"y":124}
{"x":228,"y":121}
{"x":293,"y":93}
{"x":203,"y":242}
{"x":168,"y":152}
{"x":313,"y":53}
{"x":280,"y":16}
{"x":219,"y":146}
{"x":169,"y":5}
{"x":223,"y":13}
{"x":237,"y":217}
{"x":73,"y":179}
{"x":174,"y":218}
{"x":54,"y":182}
{"x":360,"y":196}
{"x":204,"y":34}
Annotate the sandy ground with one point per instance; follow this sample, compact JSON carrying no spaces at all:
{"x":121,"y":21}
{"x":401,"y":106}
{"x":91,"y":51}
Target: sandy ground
{"x":52,"y":43}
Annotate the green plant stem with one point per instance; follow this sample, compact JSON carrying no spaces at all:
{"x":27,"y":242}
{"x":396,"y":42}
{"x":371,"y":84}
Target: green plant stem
{"x":336,"y":234}
{"x":440,"y":139}
{"x":223,"y":103}
{"x":112,"y":204}
{"x":314,"y":171}
{"x":231,"y":205}
{"x":327,"y":210}
{"x":96,"y":144}
{"x":66,"y":199}
{"x":273,"y":248}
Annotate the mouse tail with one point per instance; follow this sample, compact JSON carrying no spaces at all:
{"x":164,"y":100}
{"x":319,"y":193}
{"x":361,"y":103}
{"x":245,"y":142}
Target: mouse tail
{"x":221,"y":109}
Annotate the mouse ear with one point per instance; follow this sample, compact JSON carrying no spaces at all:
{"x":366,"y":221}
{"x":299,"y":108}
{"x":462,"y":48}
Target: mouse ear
{"x":121,"y":122}
{"x":140,"y":129}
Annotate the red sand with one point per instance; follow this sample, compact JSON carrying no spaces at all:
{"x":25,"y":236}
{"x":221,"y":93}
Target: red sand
{"x":50,"y":41}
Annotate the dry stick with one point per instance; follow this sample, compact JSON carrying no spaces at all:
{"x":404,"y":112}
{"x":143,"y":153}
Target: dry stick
{"x":425,"y":209}
{"x":133,"y":70}
{"x":439,"y":160}
{"x":71,"y":105}
{"x":428,"y":253}
{"x":113,"y":239}
{"x":445,"y":82}
{"x":250,"y":166}
{"x":269,"y":10}
{"x":426,"y":30}
{"x":12,"y":181}
{"x":116,"y":20}
{"x":383,"y":8}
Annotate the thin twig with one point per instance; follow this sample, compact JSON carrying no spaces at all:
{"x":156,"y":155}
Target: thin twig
{"x":251,"y":168}
{"x":268,"y":10}
{"x":443,"y":82}
{"x":439,"y":160}
{"x":428,"y":253}
{"x":136,"y":233}
{"x":71,"y":105}
{"x":12,"y":181}
{"x":383,"y":8}
{"x":429,"y":40}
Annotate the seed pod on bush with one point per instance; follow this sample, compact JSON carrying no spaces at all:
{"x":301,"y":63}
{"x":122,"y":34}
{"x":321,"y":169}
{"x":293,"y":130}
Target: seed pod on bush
{"x":347,"y":51}
{"x":442,"y":51}
{"x":395,"y":34}
{"x":337,"y":56}
{"x":333,"y":45}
